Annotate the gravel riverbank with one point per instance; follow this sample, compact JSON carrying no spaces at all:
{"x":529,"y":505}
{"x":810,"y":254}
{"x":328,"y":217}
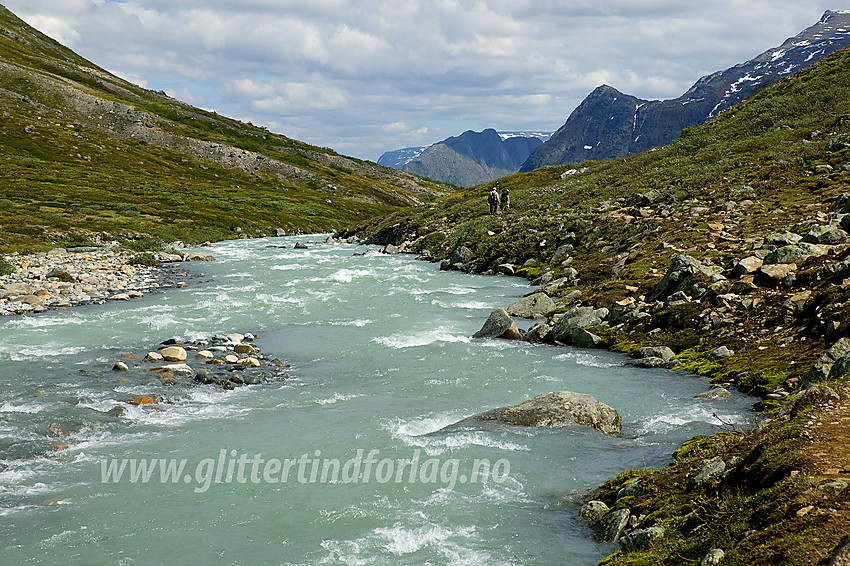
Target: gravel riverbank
{"x":62,"y":279}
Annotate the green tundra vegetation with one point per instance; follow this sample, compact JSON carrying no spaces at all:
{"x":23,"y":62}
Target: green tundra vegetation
{"x":768,"y":172}
{"x":86,"y":157}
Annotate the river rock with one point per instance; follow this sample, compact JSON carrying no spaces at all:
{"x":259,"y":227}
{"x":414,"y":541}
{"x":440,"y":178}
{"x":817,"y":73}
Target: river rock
{"x":592,"y":512}
{"x":721,"y":352}
{"x":505,"y":269}
{"x":680,"y":276}
{"x":205,"y":355}
{"x":537,"y":305}
{"x":243,"y":348}
{"x":538,"y":332}
{"x":806,"y":397}
{"x":612,"y":525}
{"x":198,"y":257}
{"x":713,"y":558}
{"x":823,"y":366}
{"x":300,"y":246}
{"x":582,"y":338}
{"x":154,"y":357}
{"x":712,"y":468}
{"x":61,"y":275}
{"x":235,"y":338}
{"x":716,"y":393}
{"x":15,"y":289}
{"x":179,"y":369}
{"x":633,"y":488}
{"x":641,"y":538}
{"x":576,"y":317}
{"x":173,"y":354}
{"x":555,"y":409}
{"x":663,"y":352}
{"x":499,"y":325}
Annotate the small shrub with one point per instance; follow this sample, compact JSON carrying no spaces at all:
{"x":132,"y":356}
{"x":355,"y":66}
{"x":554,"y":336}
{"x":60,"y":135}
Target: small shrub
{"x":6,"y":268}
{"x":146,"y":259}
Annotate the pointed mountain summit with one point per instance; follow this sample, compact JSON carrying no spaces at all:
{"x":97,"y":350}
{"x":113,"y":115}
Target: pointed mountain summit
{"x":610,"y":124}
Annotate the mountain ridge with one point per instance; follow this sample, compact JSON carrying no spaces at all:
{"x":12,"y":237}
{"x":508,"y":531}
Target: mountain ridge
{"x":101,"y":150}
{"x":610,"y":124}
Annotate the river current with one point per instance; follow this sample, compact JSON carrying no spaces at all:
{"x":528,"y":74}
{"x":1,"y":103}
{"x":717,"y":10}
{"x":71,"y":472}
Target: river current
{"x":338,"y":460}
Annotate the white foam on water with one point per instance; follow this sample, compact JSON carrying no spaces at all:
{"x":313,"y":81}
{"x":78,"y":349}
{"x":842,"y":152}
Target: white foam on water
{"x":422,"y":425}
{"x":38,"y":488}
{"x":698,"y":413}
{"x":417,"y":433}
{"x":28,"y":408}
{"x":288,"y":267}
{"x":160,"y":321}
{"x":586,"y":359}
{"x":400,"y":540}
{"x":424,"y":338}
{"x":337,"y":397}
{"x":472,"y":305}
{"x":453,"y":290}
{"x":348,"y":275}
{"x":359,"y":322}
{"x":50,"y":350}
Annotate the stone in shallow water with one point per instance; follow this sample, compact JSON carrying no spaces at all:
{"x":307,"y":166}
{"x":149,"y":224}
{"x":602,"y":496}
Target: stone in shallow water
{"x":555,"y":409}
{"x":173,"y":354}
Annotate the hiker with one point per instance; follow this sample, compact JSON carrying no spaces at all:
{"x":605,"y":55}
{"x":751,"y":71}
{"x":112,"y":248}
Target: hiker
{"x":493,"y":199}
{"x":506,"y":199}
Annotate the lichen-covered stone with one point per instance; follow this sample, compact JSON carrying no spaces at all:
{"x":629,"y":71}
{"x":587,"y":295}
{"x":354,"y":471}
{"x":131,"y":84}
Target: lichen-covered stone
{"x":555,"y":409}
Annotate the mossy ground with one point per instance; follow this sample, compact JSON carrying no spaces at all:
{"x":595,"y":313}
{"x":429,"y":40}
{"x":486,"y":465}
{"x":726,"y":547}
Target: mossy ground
{"x":768,"y":507}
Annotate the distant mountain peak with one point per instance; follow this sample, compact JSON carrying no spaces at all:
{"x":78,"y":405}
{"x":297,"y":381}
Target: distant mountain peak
{"x":610,"y":124}
{"x":468,"y":159}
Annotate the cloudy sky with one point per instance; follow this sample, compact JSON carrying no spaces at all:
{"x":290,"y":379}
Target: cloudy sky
{"x":367,"y":76}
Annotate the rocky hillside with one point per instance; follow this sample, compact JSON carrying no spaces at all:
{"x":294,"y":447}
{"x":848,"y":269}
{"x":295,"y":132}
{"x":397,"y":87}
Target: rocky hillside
{"x":725,"y":253}
{"x":88,"y":157}
{"x":469,"y":159}
{"x":609,"y":123}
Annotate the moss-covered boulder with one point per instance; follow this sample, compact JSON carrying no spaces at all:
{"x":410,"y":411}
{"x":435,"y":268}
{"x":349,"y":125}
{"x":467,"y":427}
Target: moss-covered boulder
{"x":558,"y":408}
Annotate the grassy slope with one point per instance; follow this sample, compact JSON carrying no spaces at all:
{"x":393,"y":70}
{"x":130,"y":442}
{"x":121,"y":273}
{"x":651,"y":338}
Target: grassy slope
{"x":781,"y":158}
{"x":83,"y":152}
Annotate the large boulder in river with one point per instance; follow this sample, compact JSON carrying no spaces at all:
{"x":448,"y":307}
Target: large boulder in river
{"x":556,"y":409}
{"x":680,"y":275}
{"x":499,"y":325}
{"x":576,"y":318}
{"x":537,"y":305}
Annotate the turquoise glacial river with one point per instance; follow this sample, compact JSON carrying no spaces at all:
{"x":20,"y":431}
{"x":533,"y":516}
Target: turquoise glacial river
{"x":337,"y":460}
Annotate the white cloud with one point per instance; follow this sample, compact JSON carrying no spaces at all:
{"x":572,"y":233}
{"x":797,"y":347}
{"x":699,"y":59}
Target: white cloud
{"x":367,"y":76}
